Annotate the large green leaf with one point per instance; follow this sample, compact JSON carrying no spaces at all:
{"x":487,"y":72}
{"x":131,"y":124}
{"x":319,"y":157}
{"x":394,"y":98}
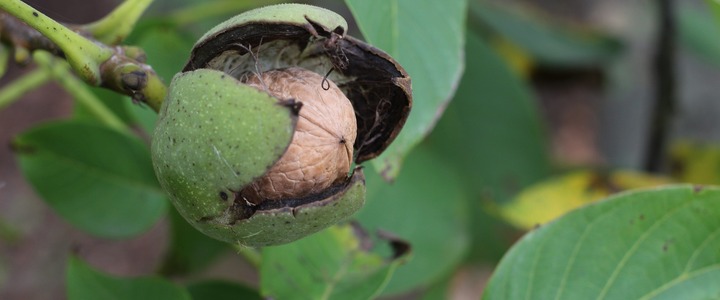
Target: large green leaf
{"x":492,"y":134}
{"x":699,"y":32}
{"x":652,"y":244}
{"x":548,"y":43}
{"x":439,"y":291}
{"x":492,"y":130}
{"x":427,"y":38}
{"x":190,"y":250}
{"x":332,"y":264}
{"x":85,"y":283}
{"x":96,"y":178}
{"x":221,"y":290}
{"x":427,"y":206}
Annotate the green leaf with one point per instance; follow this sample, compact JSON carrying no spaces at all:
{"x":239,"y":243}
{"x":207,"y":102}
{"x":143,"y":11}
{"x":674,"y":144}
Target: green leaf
{"x":332,"y":264}
{"x":439,"y":291}
{"x":652,"y":244}
{"x":699,"y":31}
{"x":96,"y":178}
{"x":427,"y":38}
{"x":492,"y":135}
{"x":715,"y":7}
{"x":426,"y":205}
{"x":83,"y":282}
{"x":190,"y":250}
{"x":221,"y":290}
{"x":492,"y":131}
{"x":550,"y":44}
{"x":492,"y":236}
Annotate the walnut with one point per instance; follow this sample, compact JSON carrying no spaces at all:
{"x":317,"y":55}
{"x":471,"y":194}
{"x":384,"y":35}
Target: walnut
{"x":321,"y":151}
{"x":256,"y":140}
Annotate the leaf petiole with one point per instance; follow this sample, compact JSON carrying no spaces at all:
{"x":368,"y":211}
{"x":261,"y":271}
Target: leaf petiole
{"x":13,"y":91}
{"x":118,"y":24}
{"x":60,"y":71}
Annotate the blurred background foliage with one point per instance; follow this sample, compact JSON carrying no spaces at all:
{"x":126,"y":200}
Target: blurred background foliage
{"x":524,"y":111}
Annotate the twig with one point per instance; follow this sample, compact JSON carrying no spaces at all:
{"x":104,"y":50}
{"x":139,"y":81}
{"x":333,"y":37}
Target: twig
{"x":665,"y":89}
{"x":120,"y":69}
{"x":84,"y":55}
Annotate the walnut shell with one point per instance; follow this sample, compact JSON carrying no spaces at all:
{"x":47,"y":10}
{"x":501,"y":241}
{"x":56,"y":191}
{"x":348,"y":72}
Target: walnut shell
{"x":320,"y":153}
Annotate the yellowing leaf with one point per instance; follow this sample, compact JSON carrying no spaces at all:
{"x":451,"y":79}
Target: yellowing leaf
{"x":695,"y":162}
{"x":552,"y":198}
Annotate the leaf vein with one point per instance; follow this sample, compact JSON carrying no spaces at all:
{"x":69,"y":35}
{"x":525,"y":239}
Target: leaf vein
{"x":680,"y":279}
{"x":699,"y":249}
{"x":636,"y":245}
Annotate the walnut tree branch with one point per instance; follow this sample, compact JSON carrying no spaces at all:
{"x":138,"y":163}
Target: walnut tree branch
{"x":118,"y":68}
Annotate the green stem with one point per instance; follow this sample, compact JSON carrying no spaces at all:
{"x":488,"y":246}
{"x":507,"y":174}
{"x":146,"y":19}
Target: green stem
{"x":13,"y":91}
{"x":121,"y":69}
{"x":252,"y":255}
{"x":82,"y":54}
{"x":116,"y":26}
{"x":62,"y":73}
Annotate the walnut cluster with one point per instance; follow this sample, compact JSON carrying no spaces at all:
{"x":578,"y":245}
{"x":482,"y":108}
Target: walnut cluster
{"x":321,"y":151}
